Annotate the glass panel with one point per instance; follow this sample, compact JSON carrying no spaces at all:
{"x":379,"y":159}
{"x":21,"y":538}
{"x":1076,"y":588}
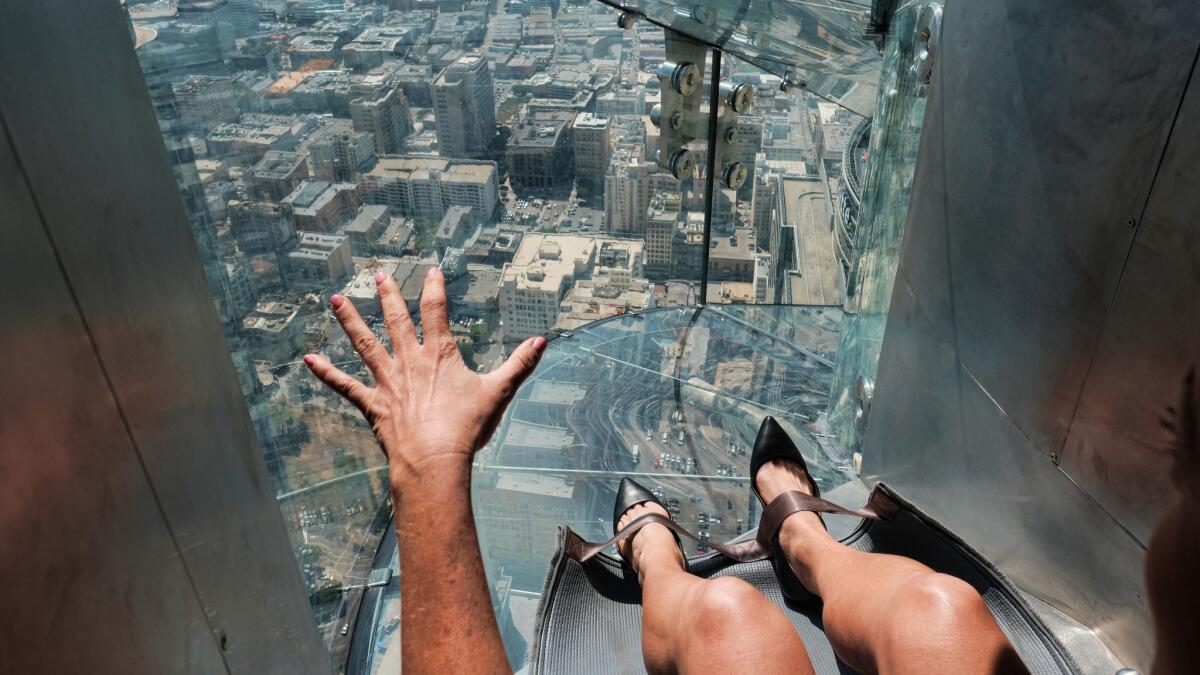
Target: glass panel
{"x":817,"y":42}
{"x":879,"y":225}
{"x":672,"y":396}
{"x":786,"y":236}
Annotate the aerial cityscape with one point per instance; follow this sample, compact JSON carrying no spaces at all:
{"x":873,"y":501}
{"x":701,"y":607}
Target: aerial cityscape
{"x":510,"y":143}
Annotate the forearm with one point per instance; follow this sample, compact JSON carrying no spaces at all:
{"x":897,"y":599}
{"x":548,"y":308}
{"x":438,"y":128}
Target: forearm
{"x":447,"y":623}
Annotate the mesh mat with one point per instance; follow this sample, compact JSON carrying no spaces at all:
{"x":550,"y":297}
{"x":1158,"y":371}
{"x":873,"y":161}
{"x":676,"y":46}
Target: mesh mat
{"x":589,"y":620}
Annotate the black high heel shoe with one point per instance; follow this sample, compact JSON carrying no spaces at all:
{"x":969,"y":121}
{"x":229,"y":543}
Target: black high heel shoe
{"x":774,"y":443}
{"x":629,"y":495}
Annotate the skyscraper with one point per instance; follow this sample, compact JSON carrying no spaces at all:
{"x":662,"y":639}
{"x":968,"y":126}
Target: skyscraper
{"x":464,"y":102}
{"x":385,"y":116}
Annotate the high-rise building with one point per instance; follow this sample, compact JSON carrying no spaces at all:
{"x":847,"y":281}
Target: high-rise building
{"x":662,"y":221}
{"x":464,"y":104}
{"x":385,"y":117}
{"x":540,"y":152}
{"x":766,"y":189}
{"x":243,"y":15}
{"x":341,"y":156}
{"x":630,"y":184}
{"x":276,"y":175}
{"x":591,"y":153}
{"x":747,"y":144}
{"x":215,"y":13}
{"x":205,"y":102}
{"x":322,"y":261}
{"x":319,"y":206}
{"x":546,"y":265}
{"x":262,"y":227}
{"x":425,"y":185}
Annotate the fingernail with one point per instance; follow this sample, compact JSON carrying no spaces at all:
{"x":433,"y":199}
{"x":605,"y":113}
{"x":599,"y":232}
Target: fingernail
{"x":336,"y":301}
{"x":433,"y":271}
{"x":309,"y":359}
{"x":379,"y":277}
{"x":539,"y":343}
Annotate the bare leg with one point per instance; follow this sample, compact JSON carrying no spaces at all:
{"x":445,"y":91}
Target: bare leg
{"x":886,"y":613}
{"x":694,"y":625}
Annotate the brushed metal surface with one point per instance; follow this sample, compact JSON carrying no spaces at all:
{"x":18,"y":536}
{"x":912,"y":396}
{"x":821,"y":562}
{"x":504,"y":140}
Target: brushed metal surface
{"x":1117,"y":450}
{"x":1046,"y":121}
{"x":94,"y":583}
{"x":945,"y":445}
{"x":82,"y":125}
{"x":1044,"y":128}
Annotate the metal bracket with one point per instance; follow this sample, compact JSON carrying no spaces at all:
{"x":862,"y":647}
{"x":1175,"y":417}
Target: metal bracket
{"x":682,"y":122}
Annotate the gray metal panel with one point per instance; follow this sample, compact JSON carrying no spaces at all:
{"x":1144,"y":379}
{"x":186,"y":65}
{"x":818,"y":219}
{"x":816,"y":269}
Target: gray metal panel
{"x":944,"y":444}
{"x":93,"y":581}
{"x":1045,"y":124}
{"x":1117,"y":450}
{"x":83,"y":126}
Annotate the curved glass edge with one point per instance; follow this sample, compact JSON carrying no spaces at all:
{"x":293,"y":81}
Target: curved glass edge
{"x":887,"y":186}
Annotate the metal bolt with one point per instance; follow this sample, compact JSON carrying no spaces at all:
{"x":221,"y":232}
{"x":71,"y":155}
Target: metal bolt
{"x":681,"y":164}
{"x":1131,"y":223}
{"x":730,"y":134}
{"x":676,"y":119}
{"x":734,"y":176}
{"x":626,"y":21}
{"x":656,"y":114}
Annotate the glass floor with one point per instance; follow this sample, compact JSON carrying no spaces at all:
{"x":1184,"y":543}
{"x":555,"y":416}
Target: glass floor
{"x":672,"y":397}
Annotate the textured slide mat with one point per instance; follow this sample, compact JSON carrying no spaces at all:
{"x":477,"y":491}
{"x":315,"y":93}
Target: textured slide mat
{"x":589,"y":620}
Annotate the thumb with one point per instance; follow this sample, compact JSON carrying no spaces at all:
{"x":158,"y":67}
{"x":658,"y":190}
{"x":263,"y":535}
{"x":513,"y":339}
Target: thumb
{"x":519,"y":365}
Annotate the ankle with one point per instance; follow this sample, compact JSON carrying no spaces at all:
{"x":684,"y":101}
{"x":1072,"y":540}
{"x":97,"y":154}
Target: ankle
{"x":801,"y":536}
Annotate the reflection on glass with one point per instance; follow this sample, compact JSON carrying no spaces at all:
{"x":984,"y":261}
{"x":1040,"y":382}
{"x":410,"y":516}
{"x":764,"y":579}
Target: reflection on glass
{"x":887,"y":185}
{"x":818,"y":43}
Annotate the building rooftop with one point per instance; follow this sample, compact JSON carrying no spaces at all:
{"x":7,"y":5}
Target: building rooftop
{"x":423,"y":167}
{"x":278,"y":164}
{"x":536,"y":484}
{"x":367,"y":217}
{"x":587,"y":120}
{"x":540,"y":132}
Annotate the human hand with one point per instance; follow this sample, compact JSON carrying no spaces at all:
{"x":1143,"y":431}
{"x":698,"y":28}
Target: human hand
{"x":426,"y":407}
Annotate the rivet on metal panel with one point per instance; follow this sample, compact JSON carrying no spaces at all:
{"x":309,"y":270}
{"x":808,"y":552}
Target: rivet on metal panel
{"x":1131,"y":223}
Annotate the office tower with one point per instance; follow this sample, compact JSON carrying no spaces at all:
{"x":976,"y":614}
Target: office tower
{"x":591,"y":153}
{"x":425,"y":186}
{"x":385,"y":117}
{"x":341,"y":156}
{"x":629,"y":186}
{"x":205,"y":102}
{"x":747,"y":144}
{"x":662,"y":221}
{"x":540,"y":154}
{"x":276,"y":175}
{"x":322,"y":261}
{"x":464,"y":102}
{"x":243,"y":15}
{"x":262,"y":227}
{"x":215,"y":13}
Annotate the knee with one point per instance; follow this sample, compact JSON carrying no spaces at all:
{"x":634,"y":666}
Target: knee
{"x":939,"y":601}
{"x":724,"y":602}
